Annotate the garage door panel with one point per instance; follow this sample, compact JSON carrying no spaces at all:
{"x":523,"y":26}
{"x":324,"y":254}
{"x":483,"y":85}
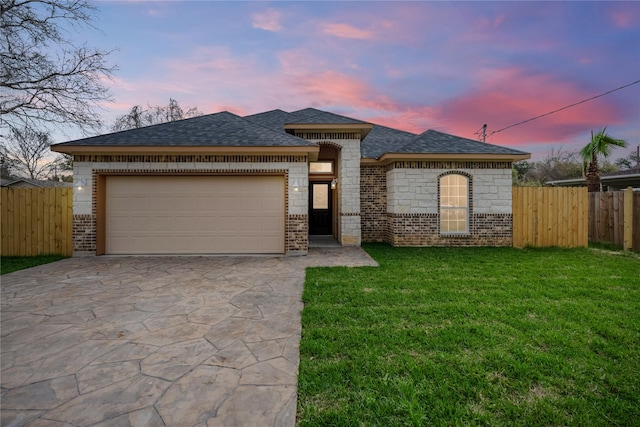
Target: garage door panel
{"x":194,"y":214}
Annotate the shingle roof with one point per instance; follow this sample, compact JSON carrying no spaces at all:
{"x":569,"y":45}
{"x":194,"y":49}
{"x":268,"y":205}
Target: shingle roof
{"x":318,"y":117}
{"x":382,"y":139}
{"x":35,"y":182}
{"x":434,"y":142}
{"x":277,"y":119}
{"x":221,"y":129}
{"x":268,"y":130}
{"x":274,"y":119}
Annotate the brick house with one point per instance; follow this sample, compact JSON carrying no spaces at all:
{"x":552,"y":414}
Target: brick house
{"x":264,"y":183}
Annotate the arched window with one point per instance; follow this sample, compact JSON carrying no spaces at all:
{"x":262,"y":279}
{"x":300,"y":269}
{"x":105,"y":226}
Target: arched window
{"x":454,"y":204}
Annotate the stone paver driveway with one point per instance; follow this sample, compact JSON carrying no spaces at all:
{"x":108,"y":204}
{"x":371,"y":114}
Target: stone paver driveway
{"x":154,"y":341}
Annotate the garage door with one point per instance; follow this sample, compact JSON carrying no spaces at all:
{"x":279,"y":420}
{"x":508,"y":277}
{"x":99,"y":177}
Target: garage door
{"x":194,"y":214}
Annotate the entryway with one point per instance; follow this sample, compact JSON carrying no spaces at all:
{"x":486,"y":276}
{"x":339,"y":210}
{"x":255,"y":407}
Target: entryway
{"x":320,"y":208}
{"x":323,"y":242}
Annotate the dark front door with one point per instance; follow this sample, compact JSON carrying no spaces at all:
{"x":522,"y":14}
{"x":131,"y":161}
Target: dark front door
{"x":320,"y":208}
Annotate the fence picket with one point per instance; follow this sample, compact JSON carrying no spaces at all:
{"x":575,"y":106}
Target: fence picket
{"x":607,"y":218}
{"x":636,"y":222}
{"x":36,"y":221}
{"x":546,"y":216}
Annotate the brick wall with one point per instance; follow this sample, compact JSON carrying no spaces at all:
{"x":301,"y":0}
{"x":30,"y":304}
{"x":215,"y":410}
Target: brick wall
{"x":297,"y":233}
{"x":84,"y":232}
{"x":423,"y":230}
{"x":400,"y":203}
{"x":373,"y":203}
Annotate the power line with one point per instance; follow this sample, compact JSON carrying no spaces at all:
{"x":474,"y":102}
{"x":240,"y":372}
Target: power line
{"x":564,"y":108}
{"x":482,"y":132}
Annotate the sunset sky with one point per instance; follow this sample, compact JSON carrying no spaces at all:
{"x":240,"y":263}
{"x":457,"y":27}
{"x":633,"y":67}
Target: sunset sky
{"x":448,"y":66}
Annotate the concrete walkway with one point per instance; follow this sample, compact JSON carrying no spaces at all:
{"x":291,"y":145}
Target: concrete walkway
{"x":155,"y":341}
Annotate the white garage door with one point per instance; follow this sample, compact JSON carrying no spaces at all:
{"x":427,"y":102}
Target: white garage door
{"x":194,"y":214}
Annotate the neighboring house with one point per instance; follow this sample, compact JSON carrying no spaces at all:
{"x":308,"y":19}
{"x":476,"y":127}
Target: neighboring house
{"x":613,"y":181}
{"x":263,"y":183}
{"x":32,"y":183}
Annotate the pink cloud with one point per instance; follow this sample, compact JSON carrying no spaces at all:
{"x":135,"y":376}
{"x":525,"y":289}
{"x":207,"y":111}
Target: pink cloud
{"x":314,"y":85}
{"x":484,"y":23}
{"x":509,"y":96}
{"x":308,"y":79}
{"x":416,"y":119}
{"x":346,"y":31}
{"x":269,"y":20}
{"x":627,"y":16}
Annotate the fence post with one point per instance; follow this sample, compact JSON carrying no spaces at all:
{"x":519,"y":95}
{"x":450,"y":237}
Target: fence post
{"x":628,"y":219}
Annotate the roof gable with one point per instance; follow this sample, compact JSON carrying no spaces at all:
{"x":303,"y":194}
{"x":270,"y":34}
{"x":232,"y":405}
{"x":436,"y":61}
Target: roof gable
{"x":274,"y":119}
{"x":319,"y":117}
{"x":382,"y":139}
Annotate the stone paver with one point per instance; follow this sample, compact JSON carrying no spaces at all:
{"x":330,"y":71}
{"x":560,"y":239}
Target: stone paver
{"x":156,"y":341}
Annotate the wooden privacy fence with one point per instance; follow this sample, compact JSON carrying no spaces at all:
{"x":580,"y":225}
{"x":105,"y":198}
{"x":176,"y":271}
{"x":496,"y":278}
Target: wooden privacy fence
{"x":614,"y":217}
{"x":550,"y":216}
{"x":36,"y":221}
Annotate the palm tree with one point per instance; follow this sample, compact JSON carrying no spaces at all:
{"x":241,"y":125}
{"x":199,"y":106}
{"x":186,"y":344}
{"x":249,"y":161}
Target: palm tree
{"x":601,"y":143}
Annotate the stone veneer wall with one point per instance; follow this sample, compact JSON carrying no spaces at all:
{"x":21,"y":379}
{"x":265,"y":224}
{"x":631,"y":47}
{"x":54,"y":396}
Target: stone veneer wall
{"x":349,"y":192}
{"x":411,"y":216}
{"x":294,"y":168}
{"x":373,"y":203}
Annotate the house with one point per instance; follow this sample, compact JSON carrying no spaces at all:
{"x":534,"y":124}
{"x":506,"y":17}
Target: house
{"x":612,"y":181}
{"x":31,"y":183}
{"x":264,"y":183}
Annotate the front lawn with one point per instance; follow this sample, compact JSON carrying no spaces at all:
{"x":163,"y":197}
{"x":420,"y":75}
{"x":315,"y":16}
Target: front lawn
{"x":9,"y":264}
{"x":472,"y":336}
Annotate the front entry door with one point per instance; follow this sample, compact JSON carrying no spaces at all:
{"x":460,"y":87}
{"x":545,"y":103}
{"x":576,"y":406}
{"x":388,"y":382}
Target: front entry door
{"x":320,"y":208}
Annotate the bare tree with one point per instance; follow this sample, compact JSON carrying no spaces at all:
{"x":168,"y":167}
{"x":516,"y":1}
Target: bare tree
{"x":6,"y":164}
{"x":27,"y":151}
{"x":632,"y":161}
{"x":558,"y":164}
{"x":63,"y":163}
{"x":138,"y":117}
{"x":45,"y":76}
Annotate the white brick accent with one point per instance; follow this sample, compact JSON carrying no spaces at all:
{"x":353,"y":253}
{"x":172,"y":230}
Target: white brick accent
{"x":82,"y":188}
{"x":349,"y":175}
{"x":350,"y":226}
{"x":416,"y":190}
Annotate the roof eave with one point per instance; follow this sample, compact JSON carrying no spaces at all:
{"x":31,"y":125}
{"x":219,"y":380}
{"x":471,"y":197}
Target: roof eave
{"x":391,"y":157}
{"x":613,"y":179}
{"x":176,"y":150}
{"x":566,"y":182}
{"x":620,"y":177}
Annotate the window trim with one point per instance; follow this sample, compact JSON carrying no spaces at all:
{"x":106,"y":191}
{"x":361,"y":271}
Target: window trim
{"x":467,"y":208}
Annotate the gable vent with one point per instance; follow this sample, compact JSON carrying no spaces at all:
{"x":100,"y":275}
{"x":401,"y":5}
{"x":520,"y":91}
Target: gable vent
{"x":327,"y":135}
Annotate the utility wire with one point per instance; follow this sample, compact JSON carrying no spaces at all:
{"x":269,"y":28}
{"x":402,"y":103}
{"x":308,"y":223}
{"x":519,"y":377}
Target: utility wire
{"x":564,"y":108}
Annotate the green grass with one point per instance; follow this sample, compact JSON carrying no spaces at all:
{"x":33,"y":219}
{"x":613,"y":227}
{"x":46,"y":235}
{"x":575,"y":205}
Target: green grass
{"x":605,"y":246}
{"x":472,"y":336}
{"x":10,"y":264}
